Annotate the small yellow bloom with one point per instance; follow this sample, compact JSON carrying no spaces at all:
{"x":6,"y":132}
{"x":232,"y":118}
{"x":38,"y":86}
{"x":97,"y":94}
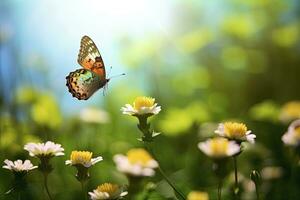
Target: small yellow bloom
{"x":107,"y":191}
{"x":139,"y":156}
{"x":137,"y":162}
{"x":142,"y":106}
{"x":197,"y":195}
{"x":107,"y":187}
{"x":219,"y":147}
{"x":79,"y":157}
{"x":290,"y":111}
{"x":141,"y":102}
{"x":83,"y":158}
{"x":235,"y":131}
{"x":297,"y":132}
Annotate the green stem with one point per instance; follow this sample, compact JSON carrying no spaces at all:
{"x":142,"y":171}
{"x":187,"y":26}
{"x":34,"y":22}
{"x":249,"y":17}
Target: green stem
{"x":170,"y":183}
{"x":144,"y":128}
{"x":46,"y":185}
{"x":19,"y":195}
{"x":220,"y":190}
{"x":176,"y":190}
{"x":236,"y":186}
{"x":147,"y":138}
{"x":257,"y":191}
{"x":83,"y":188}
{"x":135,"y":184}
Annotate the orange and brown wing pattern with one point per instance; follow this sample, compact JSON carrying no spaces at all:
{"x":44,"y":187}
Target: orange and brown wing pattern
{"x":83,"y":83}
{"x":89,"y":57}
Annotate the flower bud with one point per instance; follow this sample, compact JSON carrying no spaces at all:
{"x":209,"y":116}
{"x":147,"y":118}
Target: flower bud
{"x":255,"y":176}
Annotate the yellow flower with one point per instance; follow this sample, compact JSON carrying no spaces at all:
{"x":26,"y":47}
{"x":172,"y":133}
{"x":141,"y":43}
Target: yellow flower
{"x":141,"y":106}
{"x":140,"y":102}
{"x":139,"y":156}
{"x":290,"y":111}
{"x":107,"y":191}
{"x":292,"y":136}
{"x":235,"y":131}
{"x":219,"y":147}
{"x":197,"y":195}
{"x":137,"y":162}
{"x":83,"y":158}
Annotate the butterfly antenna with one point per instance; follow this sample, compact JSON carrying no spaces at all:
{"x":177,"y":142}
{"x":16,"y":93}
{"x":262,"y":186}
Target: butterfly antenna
{"x":115,"y":76}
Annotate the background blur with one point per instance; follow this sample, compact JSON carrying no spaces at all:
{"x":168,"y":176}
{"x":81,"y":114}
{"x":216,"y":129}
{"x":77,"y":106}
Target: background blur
{"x":203,"y":61}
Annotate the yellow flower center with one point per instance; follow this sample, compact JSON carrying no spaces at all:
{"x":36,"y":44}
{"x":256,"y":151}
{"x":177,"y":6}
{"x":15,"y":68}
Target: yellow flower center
{"x":219,"y":146}
{"x":139,"y":156}
{"x":109,"y":188}
{"x":197,"y":195}
{"x":141,"y":102}
{"x":235,"y":130}
{"x":291,"y":109}
{"x":297,"y":132}
{"x":81,"y":157}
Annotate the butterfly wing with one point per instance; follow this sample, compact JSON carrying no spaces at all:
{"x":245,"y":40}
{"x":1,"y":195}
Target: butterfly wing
{"x":83,"y":83}
{"x":89,"y":57}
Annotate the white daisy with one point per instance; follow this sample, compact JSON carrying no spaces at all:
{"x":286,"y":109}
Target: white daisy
{"x":219,"y":147}
{"x":19,"y":165}
{"x":137,"y":162}
{"x":141,"y":106}
{"x":235,"y":131}
{"x":292,"y":136}
{"x":83,"y":158}
{"x":48,"y":149}
{"x":107,"y":191}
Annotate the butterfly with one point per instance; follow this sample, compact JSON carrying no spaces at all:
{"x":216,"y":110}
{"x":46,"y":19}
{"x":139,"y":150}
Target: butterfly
{"x":83,"y":83}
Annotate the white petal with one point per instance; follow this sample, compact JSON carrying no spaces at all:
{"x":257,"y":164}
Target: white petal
{"x":97,"y":159}
{"x":156,"y":110}
{"x":251,"y":138}
{"x":144,"y":110}
{"x":152,"y":164}
{"x":123,"y":165}
{"x":123,"y":194}
{"x":204,"y":146}
{"x":220,"y":130}
{"x":233,"y":148}
{"x":48,"y":148}
{"x":289,"y":139}
{"x":128,"y":110}
{"x":19,"y":165}
{"x":68,"y":162}
{"x":148,"y":172}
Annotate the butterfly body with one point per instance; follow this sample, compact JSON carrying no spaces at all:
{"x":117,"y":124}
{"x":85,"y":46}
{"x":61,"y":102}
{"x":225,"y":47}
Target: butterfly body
{"x":83,"y":83}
